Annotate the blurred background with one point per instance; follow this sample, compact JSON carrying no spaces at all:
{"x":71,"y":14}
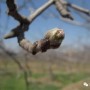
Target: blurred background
{"x":65,"y":68}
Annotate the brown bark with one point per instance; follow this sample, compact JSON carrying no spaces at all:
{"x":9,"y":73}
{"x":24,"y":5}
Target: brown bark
{"x":62,"y":7}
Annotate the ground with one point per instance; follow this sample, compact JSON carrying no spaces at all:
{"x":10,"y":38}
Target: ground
{"x":46,"y":76}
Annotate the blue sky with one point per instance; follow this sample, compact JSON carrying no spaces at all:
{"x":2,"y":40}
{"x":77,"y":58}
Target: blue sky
{"x":44,"y":22}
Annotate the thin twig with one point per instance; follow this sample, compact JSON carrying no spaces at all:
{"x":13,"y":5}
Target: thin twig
{"x":40,"y":10}
{"x":80,"y":9}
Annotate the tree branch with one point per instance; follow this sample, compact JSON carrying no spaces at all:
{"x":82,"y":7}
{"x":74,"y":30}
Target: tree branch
{"x":80,"y":9}
{"x":12,"y":10}
{"x":40,"y":10}
{"x":61,"y":6}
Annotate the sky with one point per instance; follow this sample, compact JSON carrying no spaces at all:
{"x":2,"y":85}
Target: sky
{"x":73,"y":34}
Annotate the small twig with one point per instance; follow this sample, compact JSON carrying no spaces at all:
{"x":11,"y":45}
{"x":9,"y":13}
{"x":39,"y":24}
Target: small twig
{"x":80,"y":9}
{"x":40,"y":10}
{"x":62,"y":8}
{"x":12,"y":10}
